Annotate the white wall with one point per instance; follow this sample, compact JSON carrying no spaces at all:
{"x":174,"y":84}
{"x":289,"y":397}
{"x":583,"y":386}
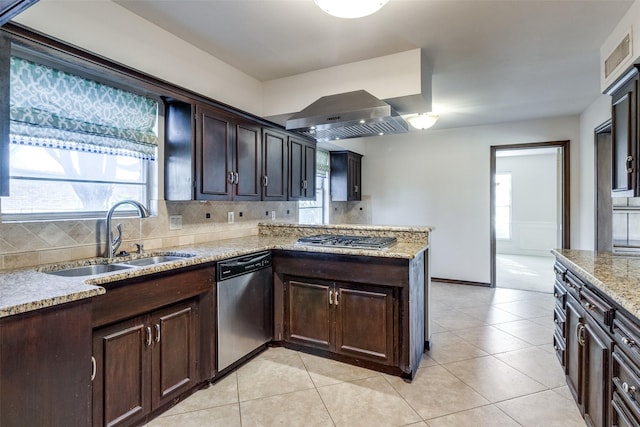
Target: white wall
{"x":105,"y":28}
{"x":534,"y":203}
{"x":440,"y":178}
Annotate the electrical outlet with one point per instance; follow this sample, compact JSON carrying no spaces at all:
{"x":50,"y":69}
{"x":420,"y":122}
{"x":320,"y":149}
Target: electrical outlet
{"x":273,"y":215}
{"x":175,"y":222}
{"x":229,"y":217}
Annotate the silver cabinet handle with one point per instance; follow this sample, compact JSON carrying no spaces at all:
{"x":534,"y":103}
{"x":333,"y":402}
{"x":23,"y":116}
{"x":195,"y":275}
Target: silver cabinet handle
{"x":265,"y":181}
{"x":94,"y":368}
{"x":336,"y":298}
{"x":147,"y":340}
{"x":230,"y":177}
{"x":628,"y":342}
{"x":589,"y":306}
{"x":355,"y":188}
{"x":628,"y":389}
{"x":157,"y":338}
{"x":629,"y":165}
{"x":330,"y":297}
{"x":304,"y":184}
{"x":237,"y":177}
{"x":580,"y":333}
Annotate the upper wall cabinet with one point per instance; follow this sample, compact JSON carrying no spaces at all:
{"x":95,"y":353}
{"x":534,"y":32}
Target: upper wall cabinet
{"x":624,"y":117}
{"x":228,"y":156}
{"x":10,"y":8}
{"x":214,"y":154}
{"x":346,"y":176}
{"x":302,"y":169}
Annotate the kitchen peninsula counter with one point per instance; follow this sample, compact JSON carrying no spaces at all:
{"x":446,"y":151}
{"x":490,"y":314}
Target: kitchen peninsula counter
{"x":616,"y":275}
{"x":32,"y":289}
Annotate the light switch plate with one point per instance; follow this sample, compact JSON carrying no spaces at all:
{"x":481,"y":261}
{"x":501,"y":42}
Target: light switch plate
{"x":175,"y":222}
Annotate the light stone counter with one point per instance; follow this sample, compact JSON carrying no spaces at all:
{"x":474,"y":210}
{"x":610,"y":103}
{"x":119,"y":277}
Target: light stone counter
{"x":617,"y":276}
{"x":32,"y":289}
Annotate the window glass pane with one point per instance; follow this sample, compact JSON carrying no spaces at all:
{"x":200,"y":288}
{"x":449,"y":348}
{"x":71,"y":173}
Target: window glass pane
{"x":503,"y":206}
{"x":316,"y":211}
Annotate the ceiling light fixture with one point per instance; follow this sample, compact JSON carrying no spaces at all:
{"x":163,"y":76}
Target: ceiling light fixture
{"x":350,"y":8}
{"x":424,"y":120}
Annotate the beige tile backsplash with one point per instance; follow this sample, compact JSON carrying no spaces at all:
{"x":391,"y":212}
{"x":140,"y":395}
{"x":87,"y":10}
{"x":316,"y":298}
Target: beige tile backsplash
{"x":29,"y":244}
{"x":351,"y":212}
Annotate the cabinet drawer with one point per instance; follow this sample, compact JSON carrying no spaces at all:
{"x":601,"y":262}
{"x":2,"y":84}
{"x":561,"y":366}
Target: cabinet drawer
{"x":574,"y":284}
{"x":626,"y":382}
{"x":560,"y":271}
{"x":627,"y":336}
{"x":560,"y":293}
{"x":560,"y":347}
{"x":559,"y":319}
{"x":598,"y":308}
{"x":621,"y":414}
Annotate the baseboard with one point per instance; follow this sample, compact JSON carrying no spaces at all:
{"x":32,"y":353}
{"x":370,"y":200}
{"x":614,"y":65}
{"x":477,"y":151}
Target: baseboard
{"x":461,"y":282}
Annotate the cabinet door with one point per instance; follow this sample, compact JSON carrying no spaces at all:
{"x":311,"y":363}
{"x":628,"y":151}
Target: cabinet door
{"x":364,"y":323}
{"x":121,"y":388}
{"x":596,"y":386}
{"x":573,"y":355}
{"x":247,"y":161}
{"x":624,"y":140}
{"x":213,"y":154}
{"x":355,"y":177}
{"x":308,"y":314}
{"x":275,"y":165}
{"x":175,"y":351}
{"x":302,"y":169}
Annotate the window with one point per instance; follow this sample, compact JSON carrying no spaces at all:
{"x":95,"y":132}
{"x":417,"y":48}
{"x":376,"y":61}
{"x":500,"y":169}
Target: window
{"x":503,"y":206}
{"x":77,"y":146}
{"x":317,"y":211}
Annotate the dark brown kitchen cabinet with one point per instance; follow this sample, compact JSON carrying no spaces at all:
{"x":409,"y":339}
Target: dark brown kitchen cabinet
{"x":574,"y":351}
{"x":624,"y":133}
{"x":346,"y":176}
{"x":275,"y":165}
{"x":45,"y":367}
{"x":351,"y":320}
{"x":228,"y":156}
{"x":302,"y":169}
{"x":143,"y":363}
{"x":596,"y":345}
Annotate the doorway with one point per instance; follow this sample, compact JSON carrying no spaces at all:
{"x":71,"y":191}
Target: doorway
{"x":529,"y":213}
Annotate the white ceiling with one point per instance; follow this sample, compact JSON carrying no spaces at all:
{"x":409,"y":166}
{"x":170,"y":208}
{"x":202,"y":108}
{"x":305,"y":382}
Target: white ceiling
{"x":493,"y":61}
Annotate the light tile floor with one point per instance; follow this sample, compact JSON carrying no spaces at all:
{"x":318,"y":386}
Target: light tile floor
{"x":492,"y":364}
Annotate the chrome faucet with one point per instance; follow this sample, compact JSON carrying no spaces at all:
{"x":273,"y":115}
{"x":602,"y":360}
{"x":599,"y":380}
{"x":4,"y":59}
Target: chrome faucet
{"x":114,"y":243}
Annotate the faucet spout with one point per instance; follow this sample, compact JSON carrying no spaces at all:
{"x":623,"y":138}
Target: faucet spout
{"x":114,"y":243}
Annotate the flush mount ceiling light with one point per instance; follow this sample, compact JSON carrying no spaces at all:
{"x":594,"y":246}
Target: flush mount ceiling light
{"x":350,"y":8}
{"x":423,"y":121}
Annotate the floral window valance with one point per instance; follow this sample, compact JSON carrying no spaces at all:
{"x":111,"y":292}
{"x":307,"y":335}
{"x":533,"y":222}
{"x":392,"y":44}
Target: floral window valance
{"x":52,"y":108}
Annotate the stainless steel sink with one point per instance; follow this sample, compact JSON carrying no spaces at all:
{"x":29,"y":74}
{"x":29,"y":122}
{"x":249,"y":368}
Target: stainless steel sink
{"x":90,"y":270}
{"x":155,"y":260}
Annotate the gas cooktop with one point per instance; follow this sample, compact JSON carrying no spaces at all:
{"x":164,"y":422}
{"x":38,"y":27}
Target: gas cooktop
{"x":344,"y":241}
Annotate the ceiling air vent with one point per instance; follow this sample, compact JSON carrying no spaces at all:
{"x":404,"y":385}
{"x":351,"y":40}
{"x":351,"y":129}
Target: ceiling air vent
{"x":618,"y":56}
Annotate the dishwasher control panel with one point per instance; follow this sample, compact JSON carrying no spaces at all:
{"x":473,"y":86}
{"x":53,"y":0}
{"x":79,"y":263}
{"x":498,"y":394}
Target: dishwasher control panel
{"x":239,"y":266}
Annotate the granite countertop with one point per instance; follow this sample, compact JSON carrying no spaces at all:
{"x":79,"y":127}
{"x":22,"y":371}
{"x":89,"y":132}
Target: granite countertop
{"x":617,"y":276}
{"x":31,"y":289}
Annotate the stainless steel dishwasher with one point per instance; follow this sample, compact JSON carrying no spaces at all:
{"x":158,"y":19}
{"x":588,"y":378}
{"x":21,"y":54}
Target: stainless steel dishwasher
{"x":245,"y":306}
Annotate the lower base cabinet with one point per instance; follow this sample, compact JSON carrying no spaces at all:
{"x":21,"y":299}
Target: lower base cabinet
{"x":45,"y":367}
{"x":350,"y":320}
{"x":143,"y":363}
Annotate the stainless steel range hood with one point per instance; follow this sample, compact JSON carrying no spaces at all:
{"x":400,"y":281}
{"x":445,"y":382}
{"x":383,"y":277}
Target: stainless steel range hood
{"x":347,"y":115}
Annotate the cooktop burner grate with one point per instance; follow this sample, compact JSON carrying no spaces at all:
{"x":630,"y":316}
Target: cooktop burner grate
{"x":346,"y":241}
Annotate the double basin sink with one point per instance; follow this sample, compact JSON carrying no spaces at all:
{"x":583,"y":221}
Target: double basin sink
{"x":91,"y":270}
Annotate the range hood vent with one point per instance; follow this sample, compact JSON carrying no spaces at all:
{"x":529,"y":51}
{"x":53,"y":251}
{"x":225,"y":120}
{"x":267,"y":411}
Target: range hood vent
{"x":347,"y":115}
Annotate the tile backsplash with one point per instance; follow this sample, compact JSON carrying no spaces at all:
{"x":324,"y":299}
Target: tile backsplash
{"x":28,"y":244}
{"x":351,"y":212}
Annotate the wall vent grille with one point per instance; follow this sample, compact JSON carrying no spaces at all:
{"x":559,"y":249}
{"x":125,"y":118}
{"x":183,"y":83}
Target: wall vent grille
{"x":619,"y":54}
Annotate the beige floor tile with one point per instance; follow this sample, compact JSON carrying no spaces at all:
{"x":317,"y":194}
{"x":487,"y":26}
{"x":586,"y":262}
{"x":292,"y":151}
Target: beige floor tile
{"x":491,"y":315}
{"x":435,"y":392}
{"x":427,"y":361}
{"x":557,"y":413}
{"x":276,"y":371}
{"x":485,"y":416}
{"x":494,"y":379}
{"x":367,"y":403}
{"x":448,"y":347}
{"x":223,"y":392}
{"x":222,"y":416}
{"x":564,"y":392}
{"x":326,"y":371}
{"x":536,"y":363}
{"x":529,"y":331}
{"x":300,"y":408}
{"x":454,"y":319}
{"x":492,"y":340}
{"x":526,"y":309}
